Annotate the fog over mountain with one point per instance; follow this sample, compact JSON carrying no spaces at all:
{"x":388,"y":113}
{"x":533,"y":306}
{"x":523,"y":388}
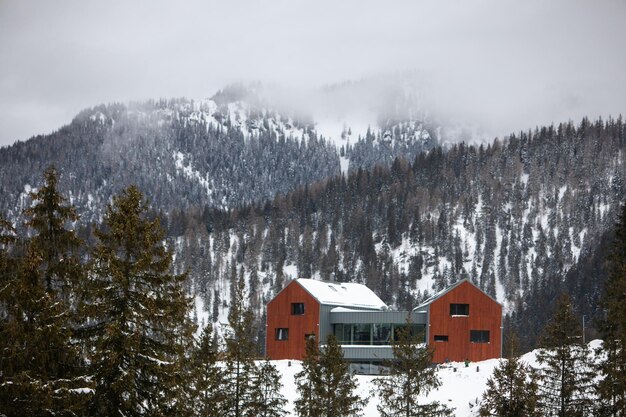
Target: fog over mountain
{"x":499,"y":66}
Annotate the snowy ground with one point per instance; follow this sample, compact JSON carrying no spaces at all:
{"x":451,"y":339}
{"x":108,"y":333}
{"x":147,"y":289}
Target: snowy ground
{"x":458,"y":389}
{"x":461,"y":386}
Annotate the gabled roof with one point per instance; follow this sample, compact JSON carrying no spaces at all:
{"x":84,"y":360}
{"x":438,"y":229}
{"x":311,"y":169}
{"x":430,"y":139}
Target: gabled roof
{"x":447,"y":290}
{"x":345,"y":294}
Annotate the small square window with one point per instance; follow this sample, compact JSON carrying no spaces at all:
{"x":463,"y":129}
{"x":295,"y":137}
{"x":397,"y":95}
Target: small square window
{"x":459,"y":309}
{"x":479,"y":336}
{"x":297,"y":309}
{"x":441,"y":338}
{"x":282,"y":334}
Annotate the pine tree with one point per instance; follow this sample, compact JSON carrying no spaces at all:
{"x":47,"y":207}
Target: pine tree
{"x":338,"y":385}
{"x":40,"y":365}
{"x":511,"y":390}
{"x":239,"y":363}
{"x":208,"y":394}
{"x":612,"y":386}
{"x":267,"y":399}
{"x":138,"y":313}
{"x":36,"y":354}
{"x":411,"y":376}
{"x":308,"y":403}
{"x":57,"y":246}
{"x":566,"y":374}
{"x":325,"y":386}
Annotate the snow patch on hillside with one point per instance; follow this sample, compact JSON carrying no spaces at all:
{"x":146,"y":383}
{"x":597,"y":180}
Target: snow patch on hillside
{"x":184,"y":166}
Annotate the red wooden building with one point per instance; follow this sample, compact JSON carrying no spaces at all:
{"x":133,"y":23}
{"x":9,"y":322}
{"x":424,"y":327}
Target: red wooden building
{"x":302,"y":310}
{"x":461,"y":322}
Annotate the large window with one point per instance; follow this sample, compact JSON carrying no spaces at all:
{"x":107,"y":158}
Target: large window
{"x":343,"y":333}
{"x":282,"y":333}
{"x":362,"y":334}
{"x":459,"y":309}
{"x":372,"y":334}
{"x":479,"y":336}
{"x":297,"y":309}
{"x":416,"y":330}
{"x":381,"y":334}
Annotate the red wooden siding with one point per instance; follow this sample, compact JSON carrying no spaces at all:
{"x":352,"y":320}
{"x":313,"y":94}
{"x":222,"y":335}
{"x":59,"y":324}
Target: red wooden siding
{"x":279,"y":316}
{"x":484,"y":314}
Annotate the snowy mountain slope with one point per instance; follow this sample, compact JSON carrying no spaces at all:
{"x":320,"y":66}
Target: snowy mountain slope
{"x":517,"y":217}
{"x":230,"y":150}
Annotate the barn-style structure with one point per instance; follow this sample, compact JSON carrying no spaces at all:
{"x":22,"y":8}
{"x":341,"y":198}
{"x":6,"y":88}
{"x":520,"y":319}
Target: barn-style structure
{"x":461,"y":322}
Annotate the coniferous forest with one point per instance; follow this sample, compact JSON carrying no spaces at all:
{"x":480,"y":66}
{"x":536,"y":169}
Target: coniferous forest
{"x":104,"y":287}
{"x":520,"y":216}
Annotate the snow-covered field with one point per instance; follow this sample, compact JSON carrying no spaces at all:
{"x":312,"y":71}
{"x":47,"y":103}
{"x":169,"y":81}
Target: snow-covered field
{"x":461,"y":386}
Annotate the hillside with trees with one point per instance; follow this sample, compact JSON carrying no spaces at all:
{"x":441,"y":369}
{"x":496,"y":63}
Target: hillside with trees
{"x":247,"y":194}
{"x":521,"y":217}
{"x":224,"y":152}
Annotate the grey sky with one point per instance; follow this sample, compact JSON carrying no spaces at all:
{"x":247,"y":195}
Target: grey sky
{"x":503,"y":65}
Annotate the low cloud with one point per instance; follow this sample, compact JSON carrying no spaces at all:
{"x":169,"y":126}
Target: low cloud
{"x":500,"y":65}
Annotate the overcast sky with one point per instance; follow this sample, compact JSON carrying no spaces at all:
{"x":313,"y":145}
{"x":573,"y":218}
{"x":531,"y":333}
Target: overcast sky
{"x":504,"y":65}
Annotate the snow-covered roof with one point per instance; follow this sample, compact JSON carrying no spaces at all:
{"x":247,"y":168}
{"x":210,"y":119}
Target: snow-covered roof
{"x":447,"y":290}
{"x":342,"y":294}
{"x":344,"y":310}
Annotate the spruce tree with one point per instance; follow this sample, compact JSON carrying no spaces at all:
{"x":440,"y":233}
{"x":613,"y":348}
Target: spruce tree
{"x":612,"y":367}
{"x":309,"y":403}
{"x":138,"y":313}
{"x":566,"y":374}
{"x":239,"y":364}
{"x":56,"y":245}
{"x":325,"y":385}
{"x":37,"y":374}
{"x":208,"y":394}
{"x":41,"y":370}
{"x":511,"y":390}
{"x":411,"y":376}
{"x":337,"y":383}
{"x":267,"y":399}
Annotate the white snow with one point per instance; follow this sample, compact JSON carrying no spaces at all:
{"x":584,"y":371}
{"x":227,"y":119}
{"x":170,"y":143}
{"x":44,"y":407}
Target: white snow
{"x":290,"y":271}
{"x":201,"y":313}
{"x":345,"y":164}
{"x":344,"y":310}
{"x":343,"y":130}
{"x":461,"y":386}
{"x":184,"y":165}
{"x":348,"y":294}
{"x":82,"y":391}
